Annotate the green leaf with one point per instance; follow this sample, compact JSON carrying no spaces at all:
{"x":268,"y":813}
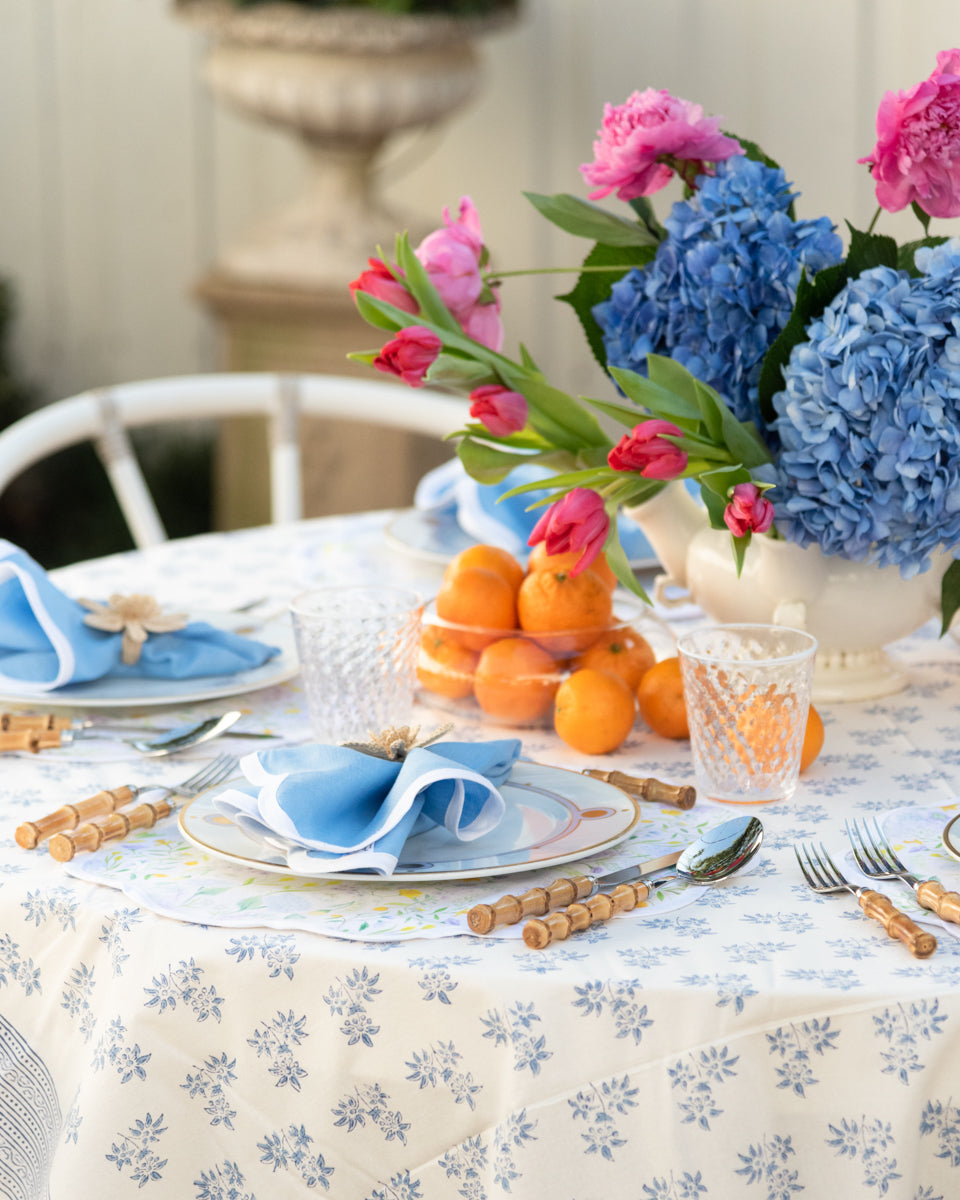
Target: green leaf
{"x":715,"y":504}
{"x":922,"y":217}
{"x":552,"y":412}
{"x":455,"y":371}
{"x":949,"y":595}
{"x":711,"y":409}
{"x":593,"y":287}
{"x":661,"y":401}
{"x":379,"y":314}
{"x":527,"y":360}
{"x":584,"y":219}
{"x":739,"y":546}
{"x":813,"y":296}
{"x":620,"y":412}
{"x":741,"y":438}
{"x":643,"y":207}
{"x":617,"y":559}
{"x":905,"y":259}
{"x":421,"y":287}
{"x":869,"y":250}
{"x":487,"y":464}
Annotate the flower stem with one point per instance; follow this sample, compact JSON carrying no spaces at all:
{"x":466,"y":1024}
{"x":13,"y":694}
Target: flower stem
{"x":876,"y":216}
{"x":558,"y":271}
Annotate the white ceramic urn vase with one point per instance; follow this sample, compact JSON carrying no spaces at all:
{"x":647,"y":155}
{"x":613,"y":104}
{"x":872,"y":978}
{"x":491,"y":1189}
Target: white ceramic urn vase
{"x":853,"y":609}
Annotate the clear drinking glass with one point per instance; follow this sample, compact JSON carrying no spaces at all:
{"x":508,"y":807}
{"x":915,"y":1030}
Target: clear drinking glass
{"x":747,"y":692}
{"x":358,"y":655}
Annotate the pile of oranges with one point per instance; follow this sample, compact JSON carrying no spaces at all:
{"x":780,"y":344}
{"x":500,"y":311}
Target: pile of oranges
{"x":541,"y":644}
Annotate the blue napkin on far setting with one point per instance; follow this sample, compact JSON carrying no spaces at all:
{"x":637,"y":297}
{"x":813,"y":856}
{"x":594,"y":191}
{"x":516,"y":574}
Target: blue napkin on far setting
{"x":482,"y":514}
{"x":332,"y":808}
{"x":45,"y":644}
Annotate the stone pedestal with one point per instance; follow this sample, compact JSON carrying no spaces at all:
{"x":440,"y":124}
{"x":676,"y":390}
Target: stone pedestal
{"x":348,"y":466}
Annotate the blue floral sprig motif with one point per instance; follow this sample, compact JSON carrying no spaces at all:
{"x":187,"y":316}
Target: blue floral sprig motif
{"x":515,"y":1028}
{"x":56,"y":904}
{"x":868,"y":1141}
{"x":696,"y":1077}
{"x":224,"y":1182}
{"x":182,"y":983}
{"x":276,"y":1042}
{"x":210,"y":1083}
{"x":510,"y":1135}
{"x":841,"y":978}
{"x":113,"y":1051}
{"x":795,"y":1044}
{"x":942,"y":1120}
{"x":466,"y":1163}
{"x":620,"y":997}
{"x":370,"y":1101}
{"x":75,"y":999}
{"x":722,"y":284}
{"x":289,"y":1150}
{"x":869,"y":419}
{"x":597,"y":1107}
{"x":904,"y":1027}
{"x":14,"y":968}
{"x":437,"y":1065}
{"x":71,"y":1125}
{"x":732,"y":990}
{"x":136,"y":1150}
{"x":277,"y":949}
{"x":687,"y":1187}
{"x":767,"y":1164}
{"x":348,"y":998}
{"x":400,"y":1187}
{"x":111,"y":934}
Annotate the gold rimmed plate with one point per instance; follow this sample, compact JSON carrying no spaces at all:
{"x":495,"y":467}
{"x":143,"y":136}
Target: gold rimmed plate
{"x":951,"y":836}
{"x":553,"y":816}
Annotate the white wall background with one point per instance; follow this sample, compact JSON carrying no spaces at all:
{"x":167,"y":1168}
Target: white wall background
{"x":120,"y":180}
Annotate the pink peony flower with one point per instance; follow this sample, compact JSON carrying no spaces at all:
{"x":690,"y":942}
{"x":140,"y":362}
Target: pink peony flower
{"x":451,"y":257}
{"x":378,"y":281}
{"x":503,"y":412}
{"x":917,"y":155}
{"x":410,"y":355}
{"x":642,"y":141}
{"x":646,"y":451}
{"x":577,"y":522}
{"x":748,"y":511}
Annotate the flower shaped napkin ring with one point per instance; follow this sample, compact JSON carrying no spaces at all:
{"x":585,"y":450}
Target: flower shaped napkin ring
{"x":136,"y":617}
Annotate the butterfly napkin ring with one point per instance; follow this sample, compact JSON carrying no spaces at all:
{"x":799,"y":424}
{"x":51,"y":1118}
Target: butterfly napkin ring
{"x":136,"y":617}
{"x":397,"y":742}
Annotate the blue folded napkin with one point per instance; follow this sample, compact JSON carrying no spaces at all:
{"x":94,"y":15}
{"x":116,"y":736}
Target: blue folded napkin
{"x":44,"y":643}
{"x":506,"y":523}
{"x":330,"y":808}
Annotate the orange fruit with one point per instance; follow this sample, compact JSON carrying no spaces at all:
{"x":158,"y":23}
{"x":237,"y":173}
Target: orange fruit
{"x":515,"y":680}
{"x":491,"y":558}
{"x":540,"y":560}
{"x":660,"y":699}
{"x":479,"y":598}
{"x":594,"y":711}
{"x":444,"y":666}
{"x":812,"y":739}
{"x":622,"y":652}
{"x":556,"y":603}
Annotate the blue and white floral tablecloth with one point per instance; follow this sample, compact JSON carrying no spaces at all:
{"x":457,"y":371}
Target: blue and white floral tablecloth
{"x":759,"y":1042}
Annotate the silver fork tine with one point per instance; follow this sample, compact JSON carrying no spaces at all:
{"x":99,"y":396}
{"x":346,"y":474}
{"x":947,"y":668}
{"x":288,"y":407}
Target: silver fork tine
{"x":822,"y":876}
{"x":930,"y":893}
{"x":861,"y":850}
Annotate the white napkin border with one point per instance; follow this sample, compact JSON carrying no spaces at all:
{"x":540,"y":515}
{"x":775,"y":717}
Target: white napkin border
{"x":9,"y":571}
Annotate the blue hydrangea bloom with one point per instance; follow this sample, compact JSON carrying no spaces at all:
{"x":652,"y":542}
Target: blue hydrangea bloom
{"x":869,"y":419}
{"x":722,"y":284}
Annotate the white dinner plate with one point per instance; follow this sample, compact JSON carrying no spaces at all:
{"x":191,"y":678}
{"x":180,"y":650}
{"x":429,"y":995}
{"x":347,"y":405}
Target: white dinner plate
{"x":951,"y":836}
{"x":553,"y":816}
{"x":436,"y":537}
{"x":131,"y":691}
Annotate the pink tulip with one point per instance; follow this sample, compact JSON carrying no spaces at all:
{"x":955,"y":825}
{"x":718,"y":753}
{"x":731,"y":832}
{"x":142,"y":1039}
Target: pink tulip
{"x":748,"y":511}
{"x":503,"y":412}
{"x":578,"y":522}
{"x":410,"y":355}
{"x":642,"y":141}
{"x":378,"y":281}
{"x":646,"y":451}
{"x":451,"y":257}
{"x":917,"y":155}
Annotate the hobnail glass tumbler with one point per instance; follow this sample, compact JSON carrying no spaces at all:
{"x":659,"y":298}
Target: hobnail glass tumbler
{"x":747,"y":692}
{"x":358,"y":655}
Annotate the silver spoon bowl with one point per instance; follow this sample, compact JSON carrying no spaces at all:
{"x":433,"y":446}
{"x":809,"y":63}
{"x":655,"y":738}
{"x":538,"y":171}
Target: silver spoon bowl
{"x":718,"y":853}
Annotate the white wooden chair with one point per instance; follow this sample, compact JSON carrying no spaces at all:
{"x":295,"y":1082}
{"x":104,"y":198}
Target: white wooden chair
{"x":104,"y":415}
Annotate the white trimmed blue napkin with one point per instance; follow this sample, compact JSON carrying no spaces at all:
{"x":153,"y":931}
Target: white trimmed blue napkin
{"x":481,"y":513}
{"x":46,"y":641}
{"x":332,"y":808}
